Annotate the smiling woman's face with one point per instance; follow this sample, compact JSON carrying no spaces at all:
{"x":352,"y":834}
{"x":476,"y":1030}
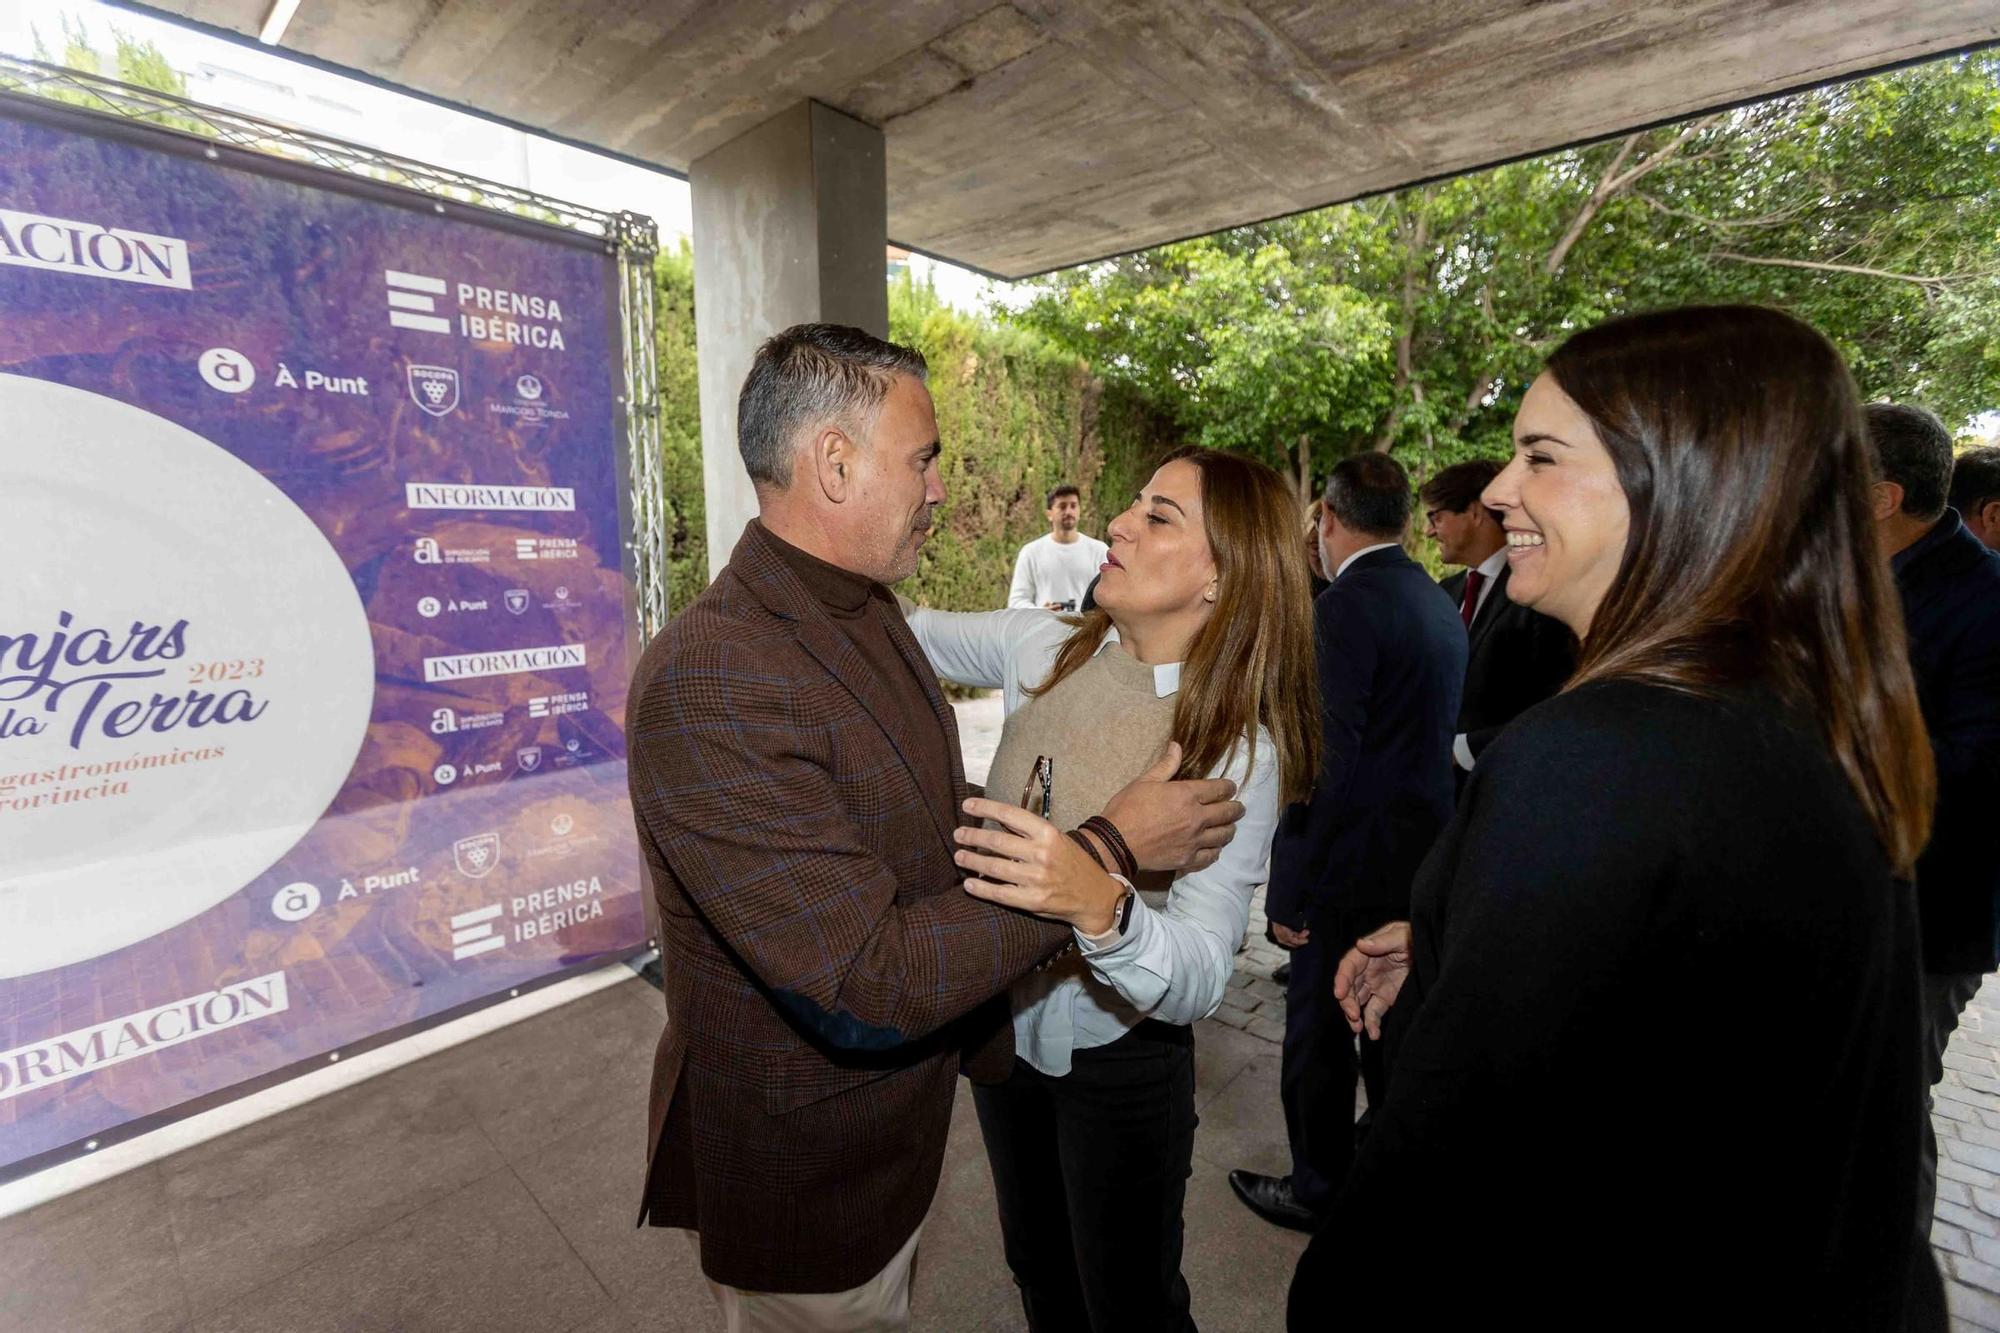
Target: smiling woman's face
{"x":1566,"y":516}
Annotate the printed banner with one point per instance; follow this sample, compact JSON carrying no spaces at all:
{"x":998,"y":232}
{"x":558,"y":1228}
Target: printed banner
{"x":314,"y":622}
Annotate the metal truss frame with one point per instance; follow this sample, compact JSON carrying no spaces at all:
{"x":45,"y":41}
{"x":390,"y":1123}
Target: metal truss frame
{"x":631,"y":237}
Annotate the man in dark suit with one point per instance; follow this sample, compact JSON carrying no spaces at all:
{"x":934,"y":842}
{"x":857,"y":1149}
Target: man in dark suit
{"x":796,"y":780}
{"x":1392,"y":654}
{"x":1518,"y":657}
{"x":1975,"y":493}
{"x":1950,"y":586}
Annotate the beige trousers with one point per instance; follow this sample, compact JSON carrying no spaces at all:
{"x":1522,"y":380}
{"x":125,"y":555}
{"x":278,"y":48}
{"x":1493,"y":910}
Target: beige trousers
{"x":880,"y":1303}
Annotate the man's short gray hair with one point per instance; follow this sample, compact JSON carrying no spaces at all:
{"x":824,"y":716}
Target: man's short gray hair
{"x":813,"y":375}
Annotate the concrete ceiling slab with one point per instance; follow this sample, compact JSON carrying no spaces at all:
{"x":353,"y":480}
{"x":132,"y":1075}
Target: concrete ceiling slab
{"x":1038,"y":134}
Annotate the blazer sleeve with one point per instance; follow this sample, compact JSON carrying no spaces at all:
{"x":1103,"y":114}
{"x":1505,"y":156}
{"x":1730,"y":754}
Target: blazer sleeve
{"x":1344,"y":644}
{"x":730,"y":787}
{"x":1965,"y":728}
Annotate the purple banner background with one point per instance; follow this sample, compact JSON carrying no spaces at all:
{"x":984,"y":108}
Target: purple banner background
{"x":296,"y":278}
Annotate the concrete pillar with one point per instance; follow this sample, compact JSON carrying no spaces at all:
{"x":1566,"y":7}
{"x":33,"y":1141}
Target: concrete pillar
{"x":790,"y":227}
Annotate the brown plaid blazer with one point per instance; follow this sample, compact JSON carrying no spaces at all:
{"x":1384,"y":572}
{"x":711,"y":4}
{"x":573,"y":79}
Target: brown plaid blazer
{"x":824,"y":971}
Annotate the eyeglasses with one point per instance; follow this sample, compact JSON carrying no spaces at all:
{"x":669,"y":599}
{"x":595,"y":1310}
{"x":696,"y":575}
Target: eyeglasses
{"x":1037,"y":792}
{"x":1431,"y":515}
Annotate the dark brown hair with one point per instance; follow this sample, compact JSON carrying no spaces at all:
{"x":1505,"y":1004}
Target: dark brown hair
{"x":1252,"y":663}
{"x":1912,"y":448}
{"x":1739,"y":441}
{"x":1458,"y":487}
{"x":1975,"y":479}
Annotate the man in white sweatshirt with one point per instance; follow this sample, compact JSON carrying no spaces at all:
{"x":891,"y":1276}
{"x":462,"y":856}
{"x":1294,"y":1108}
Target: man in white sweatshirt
{"x":1051,"y":572}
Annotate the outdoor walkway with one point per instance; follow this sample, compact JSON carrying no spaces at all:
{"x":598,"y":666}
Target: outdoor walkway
{"x":492,"y":1188}
{"x":1967,"y":1230}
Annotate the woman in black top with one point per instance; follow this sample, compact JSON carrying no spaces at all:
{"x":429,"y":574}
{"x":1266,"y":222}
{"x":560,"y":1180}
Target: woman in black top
{"x":1656,"y":1058}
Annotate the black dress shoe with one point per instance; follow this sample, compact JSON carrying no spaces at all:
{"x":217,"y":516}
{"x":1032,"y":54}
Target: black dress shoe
{"x":1270,"y":1197}
{"x":1282,"y":974}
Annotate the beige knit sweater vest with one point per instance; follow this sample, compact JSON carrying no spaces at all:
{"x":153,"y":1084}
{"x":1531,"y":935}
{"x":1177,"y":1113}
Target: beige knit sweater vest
{"x":1104,"y":725}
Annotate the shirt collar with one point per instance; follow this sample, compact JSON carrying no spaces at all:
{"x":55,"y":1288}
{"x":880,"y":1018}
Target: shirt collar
{"x":1490,"y":567}
{"x":1366,"y":550}
{"x":1166,"y":676}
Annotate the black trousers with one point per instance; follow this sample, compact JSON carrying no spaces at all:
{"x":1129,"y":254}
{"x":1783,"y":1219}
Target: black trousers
{"x":1319,"y":1070}
{"x":1091,"y":1170}
{"x":1945,"y":996}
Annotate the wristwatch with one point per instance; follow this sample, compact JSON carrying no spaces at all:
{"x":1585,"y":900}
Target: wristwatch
{"x":1125,"y":906}
{"x":1121,"y":918}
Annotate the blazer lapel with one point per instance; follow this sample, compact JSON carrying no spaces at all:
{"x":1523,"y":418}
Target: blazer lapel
{"x":771,"y":581}
{"x":920,"y":666}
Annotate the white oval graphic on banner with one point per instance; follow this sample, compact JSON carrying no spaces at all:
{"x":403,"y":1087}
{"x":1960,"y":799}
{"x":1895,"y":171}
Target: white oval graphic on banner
{"x":204,"y":612}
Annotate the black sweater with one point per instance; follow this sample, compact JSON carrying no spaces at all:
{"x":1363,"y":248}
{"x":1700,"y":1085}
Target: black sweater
{"x":1658,"y":1061}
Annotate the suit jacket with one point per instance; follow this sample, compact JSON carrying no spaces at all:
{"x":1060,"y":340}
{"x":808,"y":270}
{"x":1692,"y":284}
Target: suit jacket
{"x":1391,"y":653}
{"x":1518,"y":658}
{"x":822,"y":967}
{"x":1627,"y":854}
{"x":1950,"y":585}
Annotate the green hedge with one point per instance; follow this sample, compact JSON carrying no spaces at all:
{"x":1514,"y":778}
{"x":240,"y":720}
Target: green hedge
{"x":1017,"y":416}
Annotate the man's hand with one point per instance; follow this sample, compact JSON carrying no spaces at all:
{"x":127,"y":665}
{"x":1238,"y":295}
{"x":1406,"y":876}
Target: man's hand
{"x":1027,"y":863}
{"x":1371,"y":975}
{"x":1173,"y":825}
{"x":1288,"y":938}
{"x":1052,"y":606}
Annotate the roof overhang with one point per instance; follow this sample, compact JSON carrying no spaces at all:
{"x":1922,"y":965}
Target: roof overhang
{"x":1035,"y":135}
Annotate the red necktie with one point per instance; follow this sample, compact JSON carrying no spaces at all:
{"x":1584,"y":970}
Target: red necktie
{"x":1470,"y":607}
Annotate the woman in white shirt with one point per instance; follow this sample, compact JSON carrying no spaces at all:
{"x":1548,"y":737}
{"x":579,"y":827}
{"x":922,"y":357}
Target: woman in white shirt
{"x":1202,"y":637}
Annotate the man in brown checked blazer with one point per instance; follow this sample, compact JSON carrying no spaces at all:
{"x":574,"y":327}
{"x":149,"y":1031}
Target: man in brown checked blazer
{"x":796,"y":781}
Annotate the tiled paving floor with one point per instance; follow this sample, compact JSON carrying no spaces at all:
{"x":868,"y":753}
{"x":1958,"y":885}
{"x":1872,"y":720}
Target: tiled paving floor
{"x":1966,"y":1232}
{"x":493,"y":1188}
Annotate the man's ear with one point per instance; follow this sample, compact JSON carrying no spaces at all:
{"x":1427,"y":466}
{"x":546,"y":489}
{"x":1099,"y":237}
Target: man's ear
{"x":833,"y":459}
{"x":1887,"y":497}
{"x":1989,"y":516}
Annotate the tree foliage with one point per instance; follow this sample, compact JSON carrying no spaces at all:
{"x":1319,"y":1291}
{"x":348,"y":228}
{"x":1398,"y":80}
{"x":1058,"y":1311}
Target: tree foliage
{"x":1413,"y":321}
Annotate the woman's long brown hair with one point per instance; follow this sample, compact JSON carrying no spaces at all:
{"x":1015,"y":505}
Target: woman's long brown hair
{"x":1740,"y":443}
{"x":1251,"y":663}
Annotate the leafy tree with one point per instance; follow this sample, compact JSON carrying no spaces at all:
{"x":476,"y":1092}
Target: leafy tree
{"x":130,"y":60}
{"x":680,"y":424}
{"x":1413,"y":321}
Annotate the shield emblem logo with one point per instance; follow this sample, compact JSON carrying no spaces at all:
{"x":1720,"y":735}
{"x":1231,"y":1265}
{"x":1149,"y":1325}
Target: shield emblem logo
{"x":517,"y":600}
{"x":476,"y":856}
{"x":434,"y":389}
{"x":529,"y":759}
